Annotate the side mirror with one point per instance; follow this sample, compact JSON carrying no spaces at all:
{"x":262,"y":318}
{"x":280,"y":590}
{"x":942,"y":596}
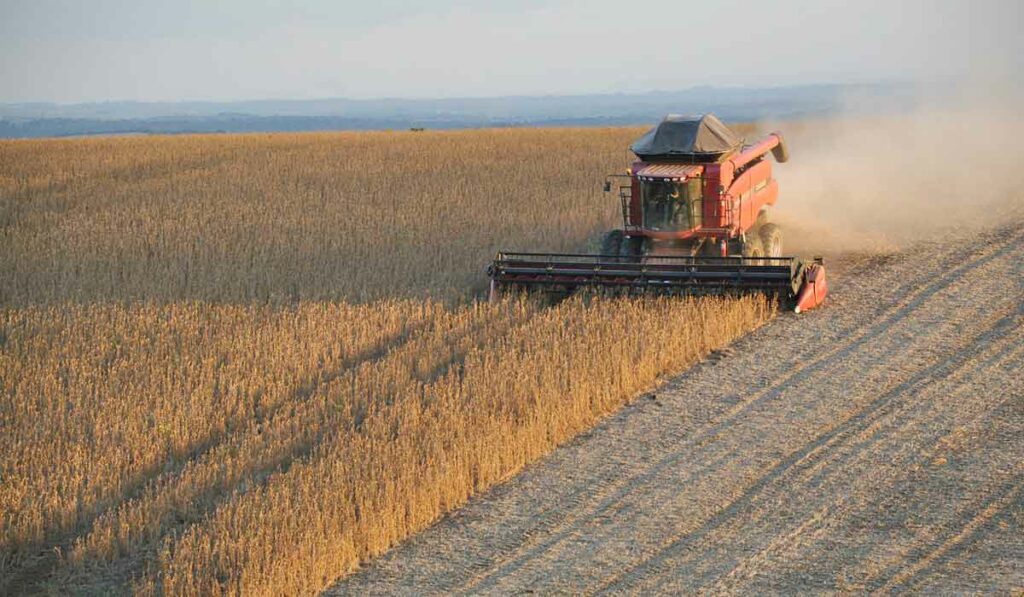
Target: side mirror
{"x":607,"y":186}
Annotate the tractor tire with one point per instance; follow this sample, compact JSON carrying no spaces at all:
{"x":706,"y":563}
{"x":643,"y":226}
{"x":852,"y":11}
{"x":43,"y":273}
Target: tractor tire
{"x":632,"y":246}
{"x":710,"y":249}
{"x":762,"y":218}
{"x":752,"y":247}
{"x":771,"y":240}
{"x":611,"y":244}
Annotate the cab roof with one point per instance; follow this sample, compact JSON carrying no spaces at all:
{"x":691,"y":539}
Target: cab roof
{"x":669,"y":171}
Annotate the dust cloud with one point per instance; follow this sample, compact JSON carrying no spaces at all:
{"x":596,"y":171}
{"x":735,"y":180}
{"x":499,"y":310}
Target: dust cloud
{"x":883,"y":183}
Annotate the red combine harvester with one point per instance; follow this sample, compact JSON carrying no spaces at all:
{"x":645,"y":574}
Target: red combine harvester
{"x":695,"y":221}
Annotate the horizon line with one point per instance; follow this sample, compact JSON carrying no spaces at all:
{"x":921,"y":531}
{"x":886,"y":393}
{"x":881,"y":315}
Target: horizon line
{"x":878,"y":82}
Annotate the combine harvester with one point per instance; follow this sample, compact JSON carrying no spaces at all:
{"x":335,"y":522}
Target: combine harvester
{"x":695,"y":221}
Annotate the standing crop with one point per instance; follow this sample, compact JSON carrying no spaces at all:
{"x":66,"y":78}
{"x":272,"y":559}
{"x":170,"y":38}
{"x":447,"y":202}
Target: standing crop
{"x":244,"y":364}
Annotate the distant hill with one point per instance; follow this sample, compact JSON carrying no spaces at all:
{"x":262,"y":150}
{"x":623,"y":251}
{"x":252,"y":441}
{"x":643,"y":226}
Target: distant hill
{"x":732,"y":103}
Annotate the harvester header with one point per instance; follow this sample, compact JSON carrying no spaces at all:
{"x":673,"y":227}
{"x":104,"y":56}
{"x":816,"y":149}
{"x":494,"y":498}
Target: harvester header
{"x":695,"y":220}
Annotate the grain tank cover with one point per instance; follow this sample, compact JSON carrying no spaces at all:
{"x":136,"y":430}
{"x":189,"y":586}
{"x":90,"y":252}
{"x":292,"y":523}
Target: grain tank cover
{"x":692,"y":138}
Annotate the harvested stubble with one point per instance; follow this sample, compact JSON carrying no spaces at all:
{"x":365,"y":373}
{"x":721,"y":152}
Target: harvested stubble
{"x":173,"y":423}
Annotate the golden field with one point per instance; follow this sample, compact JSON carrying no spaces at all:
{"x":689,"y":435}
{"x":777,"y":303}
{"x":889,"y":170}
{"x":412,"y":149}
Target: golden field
{"x":244,"y":364}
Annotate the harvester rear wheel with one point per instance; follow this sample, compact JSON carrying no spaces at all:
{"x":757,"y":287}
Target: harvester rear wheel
{"x":611,"y":244}
{"x":771,"y":240}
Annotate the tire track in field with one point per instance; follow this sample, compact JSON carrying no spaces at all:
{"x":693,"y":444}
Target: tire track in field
{"x":1010,"y":494}
{"x":998,"y":513}
{"x":920,"y":412}
{"x":801,"y":372}
{"x":810,"y":454}
{"x":934,"y":498}
{"x":815,"y":528}
{"x":989,"y":360}
{"x":592,"y":507}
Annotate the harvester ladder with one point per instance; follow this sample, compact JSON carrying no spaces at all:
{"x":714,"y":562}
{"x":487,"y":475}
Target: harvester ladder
{"x":625,"y":194}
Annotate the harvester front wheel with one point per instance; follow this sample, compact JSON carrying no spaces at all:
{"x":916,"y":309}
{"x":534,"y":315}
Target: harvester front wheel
{"x":633,"y":246}
{"x":752,"y":247}
{"x":771,"y":240}
{"x":611,"y":244}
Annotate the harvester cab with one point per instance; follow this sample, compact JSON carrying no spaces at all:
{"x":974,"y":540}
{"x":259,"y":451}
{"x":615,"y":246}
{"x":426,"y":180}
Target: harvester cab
{"x":695,"y":220}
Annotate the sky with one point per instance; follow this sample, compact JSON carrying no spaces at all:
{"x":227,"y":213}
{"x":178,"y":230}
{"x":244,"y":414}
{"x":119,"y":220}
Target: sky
{"x":71,"y":51}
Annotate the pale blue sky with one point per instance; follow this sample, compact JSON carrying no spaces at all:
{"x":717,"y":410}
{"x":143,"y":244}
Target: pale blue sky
{"x":75,"y":51}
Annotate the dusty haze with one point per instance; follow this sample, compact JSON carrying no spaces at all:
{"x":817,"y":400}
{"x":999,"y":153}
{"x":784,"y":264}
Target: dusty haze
{"x":880,"y":184}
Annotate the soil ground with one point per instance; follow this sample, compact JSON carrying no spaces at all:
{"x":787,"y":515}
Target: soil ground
{"x":875,"y":444}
